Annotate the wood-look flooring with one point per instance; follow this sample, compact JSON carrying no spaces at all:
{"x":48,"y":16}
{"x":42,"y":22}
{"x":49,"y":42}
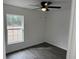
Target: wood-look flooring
{"x":41,"y":52}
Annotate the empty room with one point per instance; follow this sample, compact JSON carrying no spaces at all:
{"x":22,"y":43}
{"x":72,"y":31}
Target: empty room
{"x":38,"y":29}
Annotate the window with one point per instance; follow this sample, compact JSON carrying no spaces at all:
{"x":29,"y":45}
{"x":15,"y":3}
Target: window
{"x":15,"y":28}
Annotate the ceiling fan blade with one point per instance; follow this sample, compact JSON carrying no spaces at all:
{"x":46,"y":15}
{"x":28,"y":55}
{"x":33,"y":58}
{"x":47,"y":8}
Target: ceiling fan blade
{"x":58,"y":7}
{"x":42,"y":3}
{"x":49,"y":2}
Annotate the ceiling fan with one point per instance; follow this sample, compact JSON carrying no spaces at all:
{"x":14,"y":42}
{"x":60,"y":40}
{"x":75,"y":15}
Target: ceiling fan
{"x":45,"y":6}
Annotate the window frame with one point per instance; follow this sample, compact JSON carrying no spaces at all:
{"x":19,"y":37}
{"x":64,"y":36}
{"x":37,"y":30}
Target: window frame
{"x":21,"y":28}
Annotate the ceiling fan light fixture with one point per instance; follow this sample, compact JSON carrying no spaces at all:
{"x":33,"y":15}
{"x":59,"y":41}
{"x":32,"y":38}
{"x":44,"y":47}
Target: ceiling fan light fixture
{"x":43,"y":9}
{"x":46,"y":4}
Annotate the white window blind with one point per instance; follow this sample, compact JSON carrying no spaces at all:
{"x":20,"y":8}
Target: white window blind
{"x":15,"y":28}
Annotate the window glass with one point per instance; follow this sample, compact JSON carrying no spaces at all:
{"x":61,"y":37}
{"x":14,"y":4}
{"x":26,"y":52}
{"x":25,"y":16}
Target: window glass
{"x":15,"y":28}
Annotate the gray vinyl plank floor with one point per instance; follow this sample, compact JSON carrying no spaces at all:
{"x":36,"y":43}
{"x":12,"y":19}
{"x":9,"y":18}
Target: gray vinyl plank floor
{"x":38,"y":53}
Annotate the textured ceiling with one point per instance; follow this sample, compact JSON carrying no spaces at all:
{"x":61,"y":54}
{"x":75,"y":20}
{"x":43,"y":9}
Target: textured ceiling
{"x":31,"y":3}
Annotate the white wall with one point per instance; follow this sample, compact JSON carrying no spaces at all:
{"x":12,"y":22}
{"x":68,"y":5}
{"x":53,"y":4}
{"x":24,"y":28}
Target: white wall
{"x":34,"y":26}
{"x":57,"y":25}
{"x":57,"y":28}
